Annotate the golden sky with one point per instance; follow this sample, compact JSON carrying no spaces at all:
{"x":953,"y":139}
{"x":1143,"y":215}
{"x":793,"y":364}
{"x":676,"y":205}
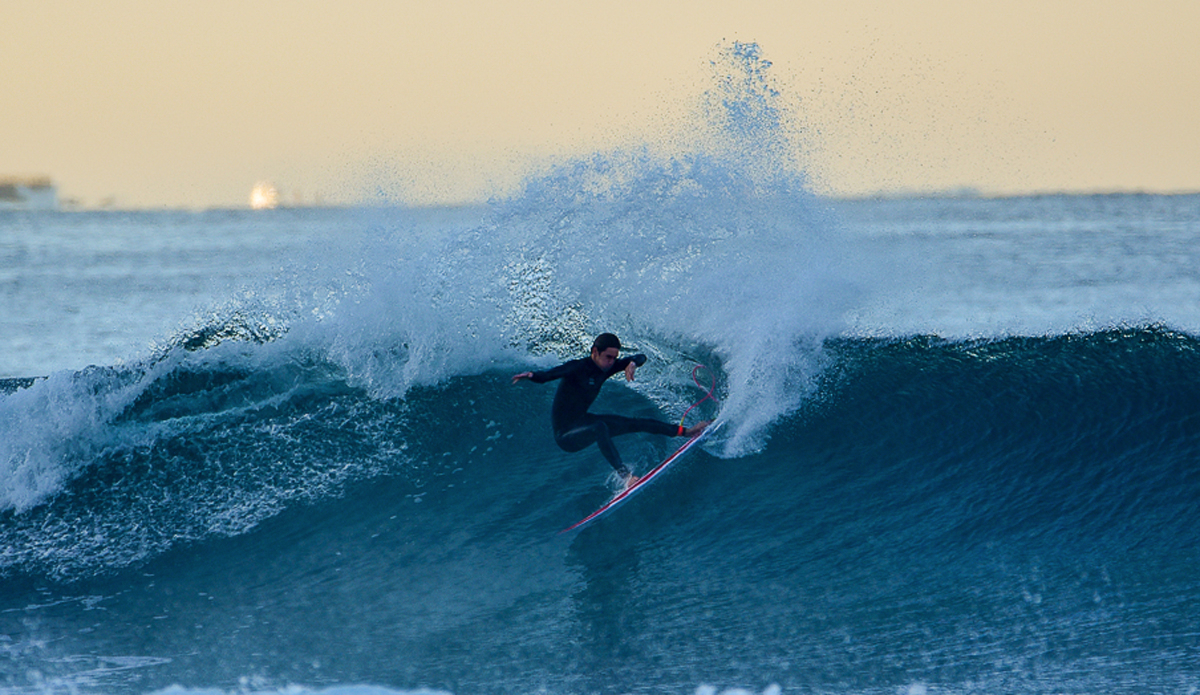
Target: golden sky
{"x":153,"y":103}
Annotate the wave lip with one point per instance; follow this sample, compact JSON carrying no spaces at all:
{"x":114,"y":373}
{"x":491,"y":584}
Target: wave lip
{"x":56,"y":426}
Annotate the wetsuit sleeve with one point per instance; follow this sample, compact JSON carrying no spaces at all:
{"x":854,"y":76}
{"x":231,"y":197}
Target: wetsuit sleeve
{"x":551,"y":374}
{"x":638,"y":359}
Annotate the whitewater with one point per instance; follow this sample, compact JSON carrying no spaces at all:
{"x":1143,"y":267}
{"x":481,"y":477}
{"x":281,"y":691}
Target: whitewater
{"x":278,"y":451}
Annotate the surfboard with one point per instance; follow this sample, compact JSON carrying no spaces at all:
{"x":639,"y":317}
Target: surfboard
{"x":642,"y":482}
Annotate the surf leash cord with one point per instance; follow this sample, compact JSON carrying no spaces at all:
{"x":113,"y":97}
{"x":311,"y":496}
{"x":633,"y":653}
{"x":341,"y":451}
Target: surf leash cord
{"x":707,"y":396}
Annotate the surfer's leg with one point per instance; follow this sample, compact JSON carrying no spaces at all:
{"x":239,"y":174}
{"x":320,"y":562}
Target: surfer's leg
{"x":596,"y":431}
{"x":619,"y":425}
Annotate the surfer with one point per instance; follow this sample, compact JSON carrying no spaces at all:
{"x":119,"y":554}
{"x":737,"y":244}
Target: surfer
{"x":574,"y":427}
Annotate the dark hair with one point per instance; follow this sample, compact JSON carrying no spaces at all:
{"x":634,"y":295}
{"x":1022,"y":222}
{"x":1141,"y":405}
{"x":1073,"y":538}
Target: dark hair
{"x":605,"y":341}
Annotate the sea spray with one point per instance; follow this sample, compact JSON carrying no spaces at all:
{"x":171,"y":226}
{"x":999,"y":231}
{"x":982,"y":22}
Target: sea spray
{"x":708,"y":244}
{"x":716,"y":248}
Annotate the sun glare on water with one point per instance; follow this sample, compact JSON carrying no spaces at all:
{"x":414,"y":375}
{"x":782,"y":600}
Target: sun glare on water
{"x":264,"y":196}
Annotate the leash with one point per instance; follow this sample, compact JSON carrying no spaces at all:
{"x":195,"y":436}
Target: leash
{"x":707,"y":396}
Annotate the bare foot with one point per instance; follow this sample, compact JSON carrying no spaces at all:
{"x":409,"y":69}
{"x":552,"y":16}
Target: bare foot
{"x":631,"y":481}
{"x":696,"y":428}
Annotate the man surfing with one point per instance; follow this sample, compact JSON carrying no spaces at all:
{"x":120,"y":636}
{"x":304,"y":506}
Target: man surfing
{"x":580,"y":381}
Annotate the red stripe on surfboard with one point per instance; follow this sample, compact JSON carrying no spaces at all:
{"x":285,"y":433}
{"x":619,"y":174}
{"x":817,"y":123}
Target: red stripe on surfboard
{"x":624,"y":494}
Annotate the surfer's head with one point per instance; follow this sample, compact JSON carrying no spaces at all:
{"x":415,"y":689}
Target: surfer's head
{"x":605,"y":341}
{"x":605,"y":350}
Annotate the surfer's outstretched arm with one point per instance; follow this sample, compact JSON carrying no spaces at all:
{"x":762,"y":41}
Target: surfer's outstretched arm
{"x":522,"y":375}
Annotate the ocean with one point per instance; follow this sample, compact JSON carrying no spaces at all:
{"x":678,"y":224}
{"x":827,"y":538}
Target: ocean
{"x":279,"y":451}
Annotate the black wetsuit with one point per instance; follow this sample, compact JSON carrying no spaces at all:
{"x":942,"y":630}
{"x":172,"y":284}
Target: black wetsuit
{"x":575,"y":428}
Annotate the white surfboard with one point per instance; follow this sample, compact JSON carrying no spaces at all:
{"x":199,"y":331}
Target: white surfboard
{"x":643,"y":481}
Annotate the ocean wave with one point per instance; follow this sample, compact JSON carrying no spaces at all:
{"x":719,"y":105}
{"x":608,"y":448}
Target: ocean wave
{"x":1089,"y":431}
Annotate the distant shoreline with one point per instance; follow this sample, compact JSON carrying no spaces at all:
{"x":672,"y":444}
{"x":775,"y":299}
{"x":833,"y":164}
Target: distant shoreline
{"x":70,"y":206}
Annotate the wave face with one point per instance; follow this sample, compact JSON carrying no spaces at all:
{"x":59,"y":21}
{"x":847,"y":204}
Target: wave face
{"x":328,"y":480}
{"x":988,"y":516}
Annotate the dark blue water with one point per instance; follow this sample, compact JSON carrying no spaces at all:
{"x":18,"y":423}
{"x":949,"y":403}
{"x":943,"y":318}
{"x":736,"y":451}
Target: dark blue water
{"x":1013,"y":515}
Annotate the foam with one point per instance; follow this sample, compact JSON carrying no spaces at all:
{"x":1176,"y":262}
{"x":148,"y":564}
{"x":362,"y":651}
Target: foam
{"x":56,"y":426}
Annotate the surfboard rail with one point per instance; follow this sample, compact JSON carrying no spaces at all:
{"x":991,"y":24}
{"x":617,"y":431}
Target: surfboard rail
{"x":630,"y":491}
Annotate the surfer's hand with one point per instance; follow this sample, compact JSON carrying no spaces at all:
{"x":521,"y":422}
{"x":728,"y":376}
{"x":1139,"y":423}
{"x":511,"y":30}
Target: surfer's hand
{"x":629,"y":370}
{"x":522,"y":375}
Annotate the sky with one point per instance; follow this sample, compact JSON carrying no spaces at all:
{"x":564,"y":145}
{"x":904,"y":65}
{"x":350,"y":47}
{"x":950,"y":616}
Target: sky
{"x":134,"y":103}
